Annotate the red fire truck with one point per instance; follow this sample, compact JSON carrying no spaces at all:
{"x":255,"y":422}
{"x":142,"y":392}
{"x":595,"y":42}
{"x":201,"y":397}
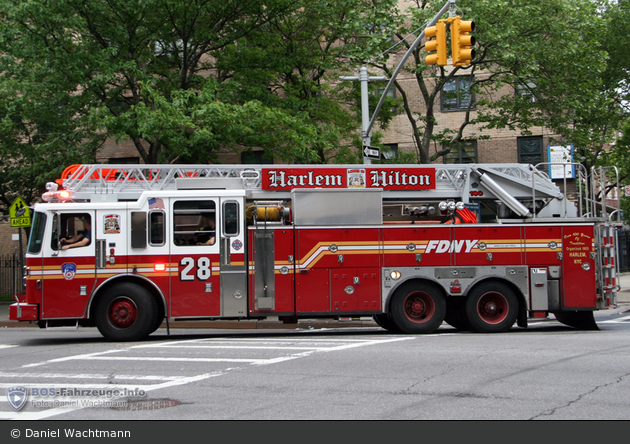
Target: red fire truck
{"x":480,"y":247}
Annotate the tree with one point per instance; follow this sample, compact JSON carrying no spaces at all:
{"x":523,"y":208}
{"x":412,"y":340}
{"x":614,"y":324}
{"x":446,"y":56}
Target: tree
{"x":119,"y":54}
{"x":298,"y":59}
{"x":181,"y":80}
{"x":550,"y":50}
{"x":41,"y":132}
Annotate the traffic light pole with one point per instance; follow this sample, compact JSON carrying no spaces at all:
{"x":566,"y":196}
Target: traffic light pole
{"x":364,"y":77}
{"x":450,"y":5}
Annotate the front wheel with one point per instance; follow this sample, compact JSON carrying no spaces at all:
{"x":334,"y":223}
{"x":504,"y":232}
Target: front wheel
{"x":418,"y":307}
{"x":126,"y":312}
{"x":385,"y":322}
{"x":491,"y":307}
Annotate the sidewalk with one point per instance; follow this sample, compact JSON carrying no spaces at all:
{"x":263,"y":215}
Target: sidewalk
{"x":623,"y":302}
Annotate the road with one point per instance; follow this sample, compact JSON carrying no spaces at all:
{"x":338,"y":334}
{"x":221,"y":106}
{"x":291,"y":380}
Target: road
{"x":545,"y":372}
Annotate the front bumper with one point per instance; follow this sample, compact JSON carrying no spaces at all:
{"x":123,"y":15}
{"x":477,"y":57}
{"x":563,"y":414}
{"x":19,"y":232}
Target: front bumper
{"x":24,"y":312}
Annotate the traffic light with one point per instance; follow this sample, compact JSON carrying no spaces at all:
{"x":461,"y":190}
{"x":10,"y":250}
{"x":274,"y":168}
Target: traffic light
{"x":438,"y":44}
{"x":462,"y":41}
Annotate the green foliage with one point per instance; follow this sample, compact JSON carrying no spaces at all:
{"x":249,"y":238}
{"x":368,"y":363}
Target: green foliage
{"x":184,"y":81}
{"x":181,"y":80}
{"x":558,"y":54}
{"x":619,"y":155}
{"x":41,"y":132}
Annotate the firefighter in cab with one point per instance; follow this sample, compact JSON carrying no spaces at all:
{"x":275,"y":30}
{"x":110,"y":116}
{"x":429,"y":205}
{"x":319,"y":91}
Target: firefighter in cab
{"x":81,"y":239}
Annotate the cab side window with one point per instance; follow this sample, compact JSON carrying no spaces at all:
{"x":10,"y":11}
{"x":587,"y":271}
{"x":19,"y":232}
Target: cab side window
{"x":71,"y":231}
{"x":194,"y":223}
{"x":156,"y":228}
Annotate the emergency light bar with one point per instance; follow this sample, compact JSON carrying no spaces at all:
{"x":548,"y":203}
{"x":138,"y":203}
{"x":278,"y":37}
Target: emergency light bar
{"x":54,"y":195}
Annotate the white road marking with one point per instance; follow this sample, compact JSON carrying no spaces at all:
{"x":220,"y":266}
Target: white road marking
{"x":615,"y":321}
{"x":88,"y":376}
{"x":317,"y":345}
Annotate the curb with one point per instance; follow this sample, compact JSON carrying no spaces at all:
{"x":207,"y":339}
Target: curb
{"x":236,"y":325}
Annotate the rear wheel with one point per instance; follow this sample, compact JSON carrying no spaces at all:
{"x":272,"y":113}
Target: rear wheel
{"x":491,"y":307}
{"x":418,"y":307}
{"x":455,"y":313}
{"x":126,"y":312}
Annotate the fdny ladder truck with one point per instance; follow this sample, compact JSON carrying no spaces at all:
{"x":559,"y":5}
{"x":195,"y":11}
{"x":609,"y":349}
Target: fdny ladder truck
{"x":481,"y":247}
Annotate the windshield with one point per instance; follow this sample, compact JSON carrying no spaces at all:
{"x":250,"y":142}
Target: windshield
{"x":37,"y":233}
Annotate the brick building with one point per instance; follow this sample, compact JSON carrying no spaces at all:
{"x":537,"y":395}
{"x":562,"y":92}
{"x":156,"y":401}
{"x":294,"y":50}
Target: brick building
{"x":501,"y":145}
{"x":9,"y":238}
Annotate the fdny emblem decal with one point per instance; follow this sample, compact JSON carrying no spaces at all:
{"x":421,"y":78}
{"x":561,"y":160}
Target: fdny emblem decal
{"x":69,"y":270}
{"x":111,"y":224}
{"x":237,"y":244}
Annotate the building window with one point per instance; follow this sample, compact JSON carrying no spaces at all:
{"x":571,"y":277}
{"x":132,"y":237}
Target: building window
{"x":124,"y":160}
{"x":255,"y":158}
{"x":464,"y":152}
{"x":379,"y":90}
{"x":390,"y":152}
{"x":526,"y":90}
{"x":456,"y":95}
{"x":530,"y":150}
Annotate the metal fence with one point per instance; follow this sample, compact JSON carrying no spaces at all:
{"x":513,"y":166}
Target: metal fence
{"x":10,"y":275}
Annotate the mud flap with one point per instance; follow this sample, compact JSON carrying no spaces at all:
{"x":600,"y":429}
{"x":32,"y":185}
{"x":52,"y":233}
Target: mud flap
{"x":582,"y":320}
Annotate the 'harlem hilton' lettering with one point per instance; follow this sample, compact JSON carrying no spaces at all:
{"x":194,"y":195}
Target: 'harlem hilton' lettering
{"x":383,"y":179}
{"x":280,"y":179}
{"x":378,"y":179}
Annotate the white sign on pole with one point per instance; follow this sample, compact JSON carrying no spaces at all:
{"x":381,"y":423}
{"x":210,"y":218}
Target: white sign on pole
{"x":372,"y":152}
{"x":558,"y":155}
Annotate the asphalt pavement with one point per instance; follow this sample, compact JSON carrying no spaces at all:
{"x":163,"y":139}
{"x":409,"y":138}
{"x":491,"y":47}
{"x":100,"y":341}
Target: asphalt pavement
{"x":623,"y":305}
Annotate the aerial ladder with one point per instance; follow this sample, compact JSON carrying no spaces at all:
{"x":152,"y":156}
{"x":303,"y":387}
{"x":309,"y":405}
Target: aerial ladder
{"x":511,"y":190}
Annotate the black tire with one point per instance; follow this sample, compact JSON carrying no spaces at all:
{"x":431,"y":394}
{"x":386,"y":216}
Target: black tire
{"x":491,"y":307}
{"x":385,"y":322}
{"x":159,"y":318}
{"x":126,"y":312}
{"x":582,"y":320}
{"x":455,"y":313}
{"x":418,"y":307}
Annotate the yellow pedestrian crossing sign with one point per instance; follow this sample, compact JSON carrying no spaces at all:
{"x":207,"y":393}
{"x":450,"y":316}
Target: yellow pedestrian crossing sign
{"x":19,"y":214}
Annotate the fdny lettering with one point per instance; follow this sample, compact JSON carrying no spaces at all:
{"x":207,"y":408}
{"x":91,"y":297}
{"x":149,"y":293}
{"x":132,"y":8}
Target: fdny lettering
{"x":444,"y":246}
{"x":280,"y":179}
{"x":384,"y":179}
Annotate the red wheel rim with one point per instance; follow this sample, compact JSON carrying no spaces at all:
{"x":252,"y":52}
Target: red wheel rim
{"x":419,"y":307}
{"x":122,"y":313}
{"x":492,"y":308}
